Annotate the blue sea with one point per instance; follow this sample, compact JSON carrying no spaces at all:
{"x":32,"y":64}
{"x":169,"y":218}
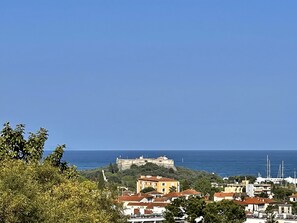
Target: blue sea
{"x":222,"y":162}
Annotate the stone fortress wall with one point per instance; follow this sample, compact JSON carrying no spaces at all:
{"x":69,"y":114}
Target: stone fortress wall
{"x":124,"y":164}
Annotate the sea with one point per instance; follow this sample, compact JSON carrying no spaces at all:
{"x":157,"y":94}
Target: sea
{"x":222,"y":162}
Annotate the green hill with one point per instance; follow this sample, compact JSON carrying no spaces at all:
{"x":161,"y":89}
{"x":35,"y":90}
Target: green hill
{"x":188,"y":178}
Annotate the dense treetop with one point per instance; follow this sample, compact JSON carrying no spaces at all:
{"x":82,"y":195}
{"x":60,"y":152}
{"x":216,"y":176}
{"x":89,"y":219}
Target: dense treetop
{"x":49,"y":190}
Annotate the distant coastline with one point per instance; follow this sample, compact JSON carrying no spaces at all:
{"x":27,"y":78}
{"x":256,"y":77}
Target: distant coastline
{"x":222,"y":162}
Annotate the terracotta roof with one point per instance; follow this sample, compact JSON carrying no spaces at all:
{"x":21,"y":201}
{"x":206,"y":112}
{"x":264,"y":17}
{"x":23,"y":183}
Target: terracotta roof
{"x":222,"y":194}
{"x":257,"y":200}
{"x":155,"y":204}
{"x":155,"y":178}
{"x":135,"y":197}
{"x":161,"y":199}
{"x":239,"y":202}
{"x":190,"y":192}
{"x":148,"y":205}
{"x":173,"y":194}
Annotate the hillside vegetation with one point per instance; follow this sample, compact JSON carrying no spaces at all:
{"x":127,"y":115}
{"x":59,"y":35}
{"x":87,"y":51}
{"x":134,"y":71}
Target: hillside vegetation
{"x":189,"y":178}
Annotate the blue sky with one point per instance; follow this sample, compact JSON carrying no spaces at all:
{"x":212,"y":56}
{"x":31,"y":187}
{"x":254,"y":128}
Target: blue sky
{"x":151,"y":74}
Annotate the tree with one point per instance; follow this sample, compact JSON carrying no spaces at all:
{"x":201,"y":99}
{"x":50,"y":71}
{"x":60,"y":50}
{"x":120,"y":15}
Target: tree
{"x":181,"y":208}
{"x":263,"y":194}
{"x":185,"y":184}
{"x":172,"y":189}
{"x":271,"y":218}
{"x":281,"y":193}
{"x":13,"y":145}
{"x":147,"y":189}
{"x":224,"y":212}
{"x":32,"y":190}
{"x":174,"y":210}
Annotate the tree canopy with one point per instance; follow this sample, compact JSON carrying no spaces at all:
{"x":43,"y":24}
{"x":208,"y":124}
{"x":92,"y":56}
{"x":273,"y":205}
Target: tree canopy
{"x":49,"y":190}
{"x":218,"y":212}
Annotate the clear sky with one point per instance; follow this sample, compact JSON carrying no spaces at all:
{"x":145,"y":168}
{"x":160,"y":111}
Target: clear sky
{"x":151,"y":74}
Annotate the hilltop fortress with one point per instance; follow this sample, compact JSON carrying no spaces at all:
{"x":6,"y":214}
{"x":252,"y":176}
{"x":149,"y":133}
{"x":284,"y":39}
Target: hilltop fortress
{"x":124,"y":164}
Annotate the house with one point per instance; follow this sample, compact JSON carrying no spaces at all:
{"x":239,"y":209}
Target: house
{"x":223,"y":196}
{"x":140,"y":209}
{"x":285,"y":209}
{"x":160,"y":184}
{"x":257,"y":204}
{"x":155,"y":194}
{"x":173,"y":195}
{"x":293,"y":198}
{"x":191,"y":193}
{"x":140,"y":197}
{"x":253,"y":190}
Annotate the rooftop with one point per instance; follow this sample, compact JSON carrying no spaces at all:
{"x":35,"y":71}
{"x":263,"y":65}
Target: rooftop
{"x":155,"y":178}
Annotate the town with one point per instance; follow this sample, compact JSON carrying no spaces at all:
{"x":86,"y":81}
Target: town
{"x":154,"y":193}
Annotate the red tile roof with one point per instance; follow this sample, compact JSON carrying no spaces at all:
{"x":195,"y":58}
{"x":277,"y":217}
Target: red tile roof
{"x":135,"y":197}
{"x":190,"y":192}
{"x":173,"y":194}
{"x":148,"y":205}
{"x":257,"y":200}
{"x":155,"y":204}
{"x":161,"y":199}
{"x":222,"y":194}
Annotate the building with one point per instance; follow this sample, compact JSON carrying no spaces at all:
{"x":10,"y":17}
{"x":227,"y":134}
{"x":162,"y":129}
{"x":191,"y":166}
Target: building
{"x":293,"y":198}
{"x":256,"y":204}
{"x":253,"y":190}
{"x":237,"y":187}
{"x":124,"y":164}
{"x":223,"y":196}
{"x":160,"y":184}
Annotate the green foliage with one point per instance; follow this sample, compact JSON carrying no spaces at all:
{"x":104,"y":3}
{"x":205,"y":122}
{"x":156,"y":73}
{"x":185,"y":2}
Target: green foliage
{"x":238,"y":179}
{"x":129,"y":177}
{"x":263,"y":194}
{"x":172,"y":189}
{"x":281,"y":193}
{"x":203,"y":185}
{"x":13,"y":145}
{"x":147,"y":189}
{"x":224,"y":212}
{"x":294,"y":207}
{"x":271,"y":218}
{"x":113,"y":168}
{"x":181,"y":208}
{"x":49,"y":191}
{"x":184,"y":184}
{"x":220,"y":212}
